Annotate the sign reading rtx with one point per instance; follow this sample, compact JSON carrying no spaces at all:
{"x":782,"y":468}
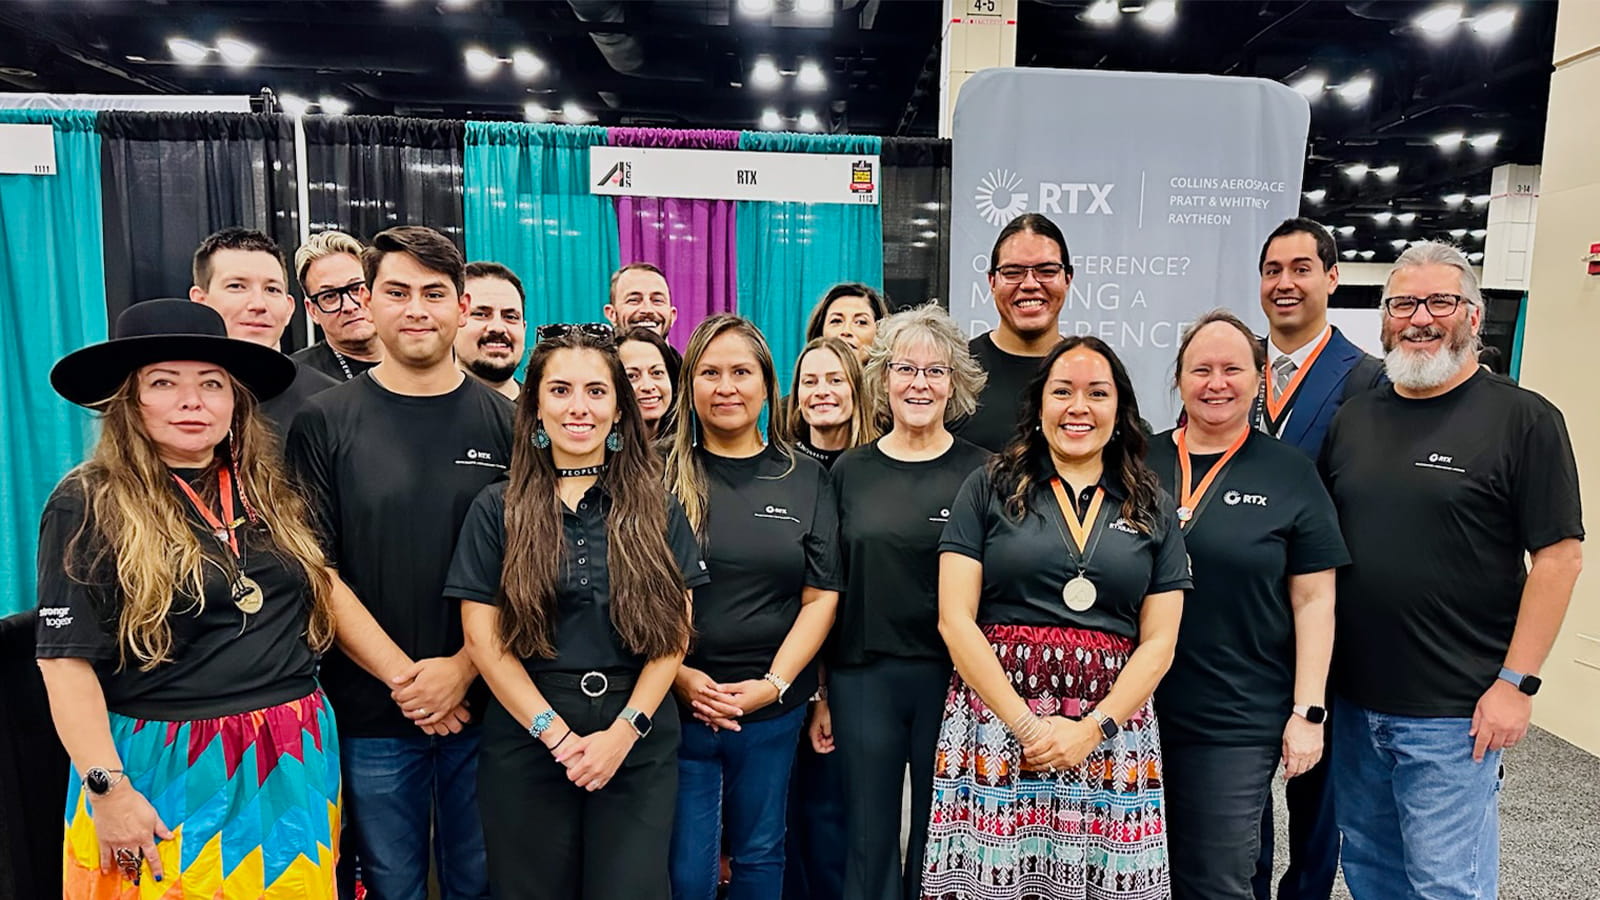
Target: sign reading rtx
{"x":734,"y":175}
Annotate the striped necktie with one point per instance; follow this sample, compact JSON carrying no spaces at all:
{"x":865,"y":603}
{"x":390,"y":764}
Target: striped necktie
{"x":1282,"y":371}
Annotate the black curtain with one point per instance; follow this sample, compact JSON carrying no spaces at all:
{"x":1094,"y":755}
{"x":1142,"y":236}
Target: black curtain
{"x":170,"y":179}
{"x":916,"y":220}
{"x":368,"y":173}
{"x":33,"y":771}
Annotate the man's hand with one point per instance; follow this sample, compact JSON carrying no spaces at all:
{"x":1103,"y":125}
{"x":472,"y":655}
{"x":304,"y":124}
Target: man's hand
{"x":430,"y":689}
{"x":1500,"y":720}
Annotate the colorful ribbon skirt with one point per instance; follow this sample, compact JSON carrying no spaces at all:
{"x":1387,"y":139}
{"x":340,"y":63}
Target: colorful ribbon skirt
{"x":1094,"y":831}
{"x":252,"y":801}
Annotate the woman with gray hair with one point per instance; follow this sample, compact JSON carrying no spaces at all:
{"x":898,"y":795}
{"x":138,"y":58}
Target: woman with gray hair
{"x":890,"y":669}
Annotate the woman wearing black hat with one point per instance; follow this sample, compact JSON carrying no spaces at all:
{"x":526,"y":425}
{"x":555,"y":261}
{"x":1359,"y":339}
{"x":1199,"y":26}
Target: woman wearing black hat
{"x":182,"y":605}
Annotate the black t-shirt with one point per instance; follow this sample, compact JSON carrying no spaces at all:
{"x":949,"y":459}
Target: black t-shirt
{"x":891,"y":514}
{"x":584,"y":636}
{"x":1265,"y":517}
{"x":391,"y":478}
{"x":322,"y":357}
{"x":223,"y":661}
{"x":1439,"y":499}
{"x":995,"y":422}
{"x":281,"y":410}
{"x":826,"y":457}
{"x":770,"y":531}
{"x":1026,"y":563}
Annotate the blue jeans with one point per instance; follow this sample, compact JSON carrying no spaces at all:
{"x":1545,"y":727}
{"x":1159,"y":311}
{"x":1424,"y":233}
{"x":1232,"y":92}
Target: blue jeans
{"x":738,"y":779}
{"x":1420,"y":819}
{"x":398,"y":791}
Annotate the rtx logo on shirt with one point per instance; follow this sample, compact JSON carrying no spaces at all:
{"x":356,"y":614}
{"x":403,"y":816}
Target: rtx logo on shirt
{"x":1234,"y":498}
{"x":1124,"y":526}
{"x":1439,"y":461}
{"x":776,"y":512}
{"x":475,"y":457}
{"x":942,"y":517}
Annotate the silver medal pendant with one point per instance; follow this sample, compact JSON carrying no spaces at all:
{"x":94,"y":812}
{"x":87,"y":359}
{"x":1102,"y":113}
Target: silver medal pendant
{"x":1079,"y":594}
{"x":247,"y":595}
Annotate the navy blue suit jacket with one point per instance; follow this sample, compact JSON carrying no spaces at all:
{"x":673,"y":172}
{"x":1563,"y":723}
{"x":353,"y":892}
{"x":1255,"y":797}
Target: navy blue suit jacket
{"x":1341,"y":370}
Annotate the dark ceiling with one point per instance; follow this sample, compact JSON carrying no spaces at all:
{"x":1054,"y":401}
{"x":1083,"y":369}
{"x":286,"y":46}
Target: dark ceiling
{"x":690,"y":63}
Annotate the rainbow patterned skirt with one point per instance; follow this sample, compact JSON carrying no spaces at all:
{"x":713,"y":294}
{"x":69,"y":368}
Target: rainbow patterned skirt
{"x":252,"y":801}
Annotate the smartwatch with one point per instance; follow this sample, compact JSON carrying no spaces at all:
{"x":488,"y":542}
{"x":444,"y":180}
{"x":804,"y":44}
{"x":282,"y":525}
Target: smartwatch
{"x":1316,"y":715}
{"x":99,"y":782}
{"x":636,"y":718}
{"x":1528,"y":684}
{"x":1108,"y":725}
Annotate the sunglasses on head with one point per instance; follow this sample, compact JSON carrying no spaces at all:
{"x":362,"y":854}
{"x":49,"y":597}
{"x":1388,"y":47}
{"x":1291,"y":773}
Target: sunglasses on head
{"x":553,"y":331}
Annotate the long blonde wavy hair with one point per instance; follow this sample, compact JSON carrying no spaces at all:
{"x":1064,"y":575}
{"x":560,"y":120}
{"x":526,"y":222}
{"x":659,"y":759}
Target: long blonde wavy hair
{"x":146,"y":533}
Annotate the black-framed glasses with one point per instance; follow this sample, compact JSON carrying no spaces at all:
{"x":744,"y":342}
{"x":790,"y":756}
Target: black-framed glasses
{"x":1439,"y":305}
{"x":551,"y":331}
{"x":333,"y":299}
{"x":1016,"y":274}
{"x":907,"y":372}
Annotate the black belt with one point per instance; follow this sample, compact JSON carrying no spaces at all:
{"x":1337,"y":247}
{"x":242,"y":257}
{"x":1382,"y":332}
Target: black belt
{"x":591,"y":684}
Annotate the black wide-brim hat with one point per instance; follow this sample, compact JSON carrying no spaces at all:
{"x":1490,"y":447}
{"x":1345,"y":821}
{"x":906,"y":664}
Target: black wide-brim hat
{"x":168,"y":331}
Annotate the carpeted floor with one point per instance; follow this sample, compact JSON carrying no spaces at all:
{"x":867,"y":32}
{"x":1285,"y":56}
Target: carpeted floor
{"x":1549,"y":823}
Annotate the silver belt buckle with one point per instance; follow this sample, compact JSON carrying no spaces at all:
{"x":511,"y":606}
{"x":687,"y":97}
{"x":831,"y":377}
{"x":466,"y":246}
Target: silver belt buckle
{"x":583,"y":684}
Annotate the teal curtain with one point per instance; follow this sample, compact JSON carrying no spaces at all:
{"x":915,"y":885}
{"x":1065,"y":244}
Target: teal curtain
{"x":52,"y":279}
{"x":1515,"y":366}
{"x":791,"y":253}
{"x":528,"y":207}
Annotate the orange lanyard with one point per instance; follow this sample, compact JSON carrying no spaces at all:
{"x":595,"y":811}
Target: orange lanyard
{"x":1189,"y":500}
{"x":1078,"y":527}
{"x":1276,"y":405}
{"x":225,"y":494}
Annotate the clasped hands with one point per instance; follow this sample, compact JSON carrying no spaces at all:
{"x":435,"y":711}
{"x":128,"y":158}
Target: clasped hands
{"x":432,"y":693}
{"x":590,"y":759}
{"x":721,"y":705}
{"x":1061,"y":744}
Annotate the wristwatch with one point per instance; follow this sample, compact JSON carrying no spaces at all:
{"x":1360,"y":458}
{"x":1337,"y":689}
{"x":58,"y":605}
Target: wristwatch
{"x":777,"y":681}
{"x":1108,"y":725}
{"x":99,"y":782}
{"x":1316,"y":715}
{"x":1528,"y":684}
{"x":636,"y":718}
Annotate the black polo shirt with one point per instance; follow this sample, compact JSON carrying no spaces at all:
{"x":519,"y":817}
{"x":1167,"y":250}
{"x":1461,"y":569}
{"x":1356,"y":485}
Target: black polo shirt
{"x":995,"y":422}
{"x":1026,"y":563}
{"x":771,"y":529}
{"x":390,"y":477}
{"x":584,"y":636}
{"x":223,"y":661}
{"x":322,"y":357}
{"x":281,"y":410}
{"x":891,"y":514}
{"x":1439,"y":499}
{"x":1266,"y":517}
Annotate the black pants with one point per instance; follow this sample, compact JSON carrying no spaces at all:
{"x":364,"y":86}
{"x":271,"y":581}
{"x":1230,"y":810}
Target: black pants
{"x":886,"y":715}
{"x":1215,"y":795}
{"x":1313,"y":835}
{"x":548,"y":839}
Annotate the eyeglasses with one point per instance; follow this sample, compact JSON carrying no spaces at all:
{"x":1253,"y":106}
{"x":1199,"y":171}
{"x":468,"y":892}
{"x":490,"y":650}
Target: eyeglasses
{"x":1015,"y":274}
{"x":333,"y":299}
{"x":552,"y":331}
{"x":1439,"y":305}
{"x":907,"y":372}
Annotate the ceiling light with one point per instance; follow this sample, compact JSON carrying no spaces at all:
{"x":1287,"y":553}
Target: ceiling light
{"x":1438,"y":21}
{"x":1383,"y":217}
{"x":187,"y":51}
{"x":1356,"y":90}
{"x":1478,"y":199}
{"x":1158,"y":13}
{"x":770,"y":120}
{"x":294,"y":106}
{"x":1357,"y":170}
{"x":526,"y":65}
{"x":333,"y":106}
{"x":1387,"y":172}
{"x":1368,"y":254}
{"x":813,"y":7}
{"x":765,"y":74}
{"x":1102,"y":12}
{"x":1485,"y":141}
{"x":810,"y":76}
{"x":1454,"y":199}
{"x":534,"y":112}
{"x":1494,"y":22}
{"x":236,"y":53}
{"x":575,"y":114}
{"x":136,"y":59}
{"x":1346,"y":230}
{"x":1479,"y":233}
{"x":480,"y":62}
{"x":755,"y":7}
{"x":1399,"y":243}
{"x":1349,"y":254}
{"x":455,"y":4}
{"x":1475,"y":256}
{"x":1449,"y":140}
{"x":1458,"y":233}
{"x":919,"y":244}
{"x":1406,"y":218}
{"x":1310,"y":87}
{"x":1318,"y":195}
{"x":808,"y":121}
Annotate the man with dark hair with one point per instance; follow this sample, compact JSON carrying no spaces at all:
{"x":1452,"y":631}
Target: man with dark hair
{"x":640,"y":298}
{"x":240,"y":274}
{"x":1311,"y":370}
{"x":489,"y":346}
{"x":391,"y":462}
{"x":329,"y":267}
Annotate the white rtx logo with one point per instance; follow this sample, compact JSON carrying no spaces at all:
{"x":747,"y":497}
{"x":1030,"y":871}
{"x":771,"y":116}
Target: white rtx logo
{"x":999,"y":199}
{"x":1234,"y":498}
{"x":1439,"y":458}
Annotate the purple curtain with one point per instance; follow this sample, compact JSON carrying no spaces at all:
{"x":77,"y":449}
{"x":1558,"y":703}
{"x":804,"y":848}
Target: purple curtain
{"x":692,"y":241}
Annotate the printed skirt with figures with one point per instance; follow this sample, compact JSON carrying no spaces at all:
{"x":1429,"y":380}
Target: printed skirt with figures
{"x":252,"y":800}
{"x":1097,"y":830}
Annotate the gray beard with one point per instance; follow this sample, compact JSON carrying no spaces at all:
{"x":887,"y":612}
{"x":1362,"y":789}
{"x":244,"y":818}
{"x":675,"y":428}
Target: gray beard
{"x":1416,"y":370}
